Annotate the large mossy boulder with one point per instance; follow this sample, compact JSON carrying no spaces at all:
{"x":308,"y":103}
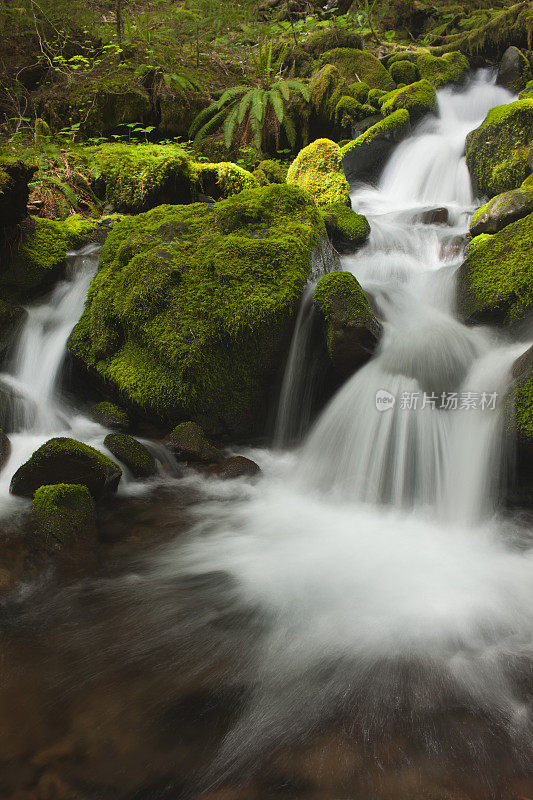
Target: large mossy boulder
{"x":359,"y":65}
{"x":191,"y":307}
{"x":317,"y":169}
{"x":515,"y":70}
{"x":133,"y":454}
{"x":330,"y":38}
{"x":346,"y":229}
{"x":41,"y":254}
{"x":62,"y":513}
{"x":364,"y":157}
{"x":351,"y":329}
{"x":418,"y":98}
{"x":403,"y":71}
{"x":64,"y":460}
{"x":496,"y":280}
{"x":502,"y":210}
{"x":497,"y":151}
{"x":450,"y":68}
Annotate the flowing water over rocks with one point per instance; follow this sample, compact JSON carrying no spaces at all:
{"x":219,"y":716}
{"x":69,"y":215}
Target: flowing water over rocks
{"x":358,"y":622}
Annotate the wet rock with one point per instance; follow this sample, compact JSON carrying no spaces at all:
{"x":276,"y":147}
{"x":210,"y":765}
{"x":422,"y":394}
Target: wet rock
{"x":136,"y":457}
{"x":435,"y":216}
{"x":188,"y":442}
{"x":15,"y":176}
{"x":234,"y":467}
{"x":452,"y":248}
{"x":7,"y":581}
{"x":351,"y":329}
{"x":11,"y":318}
{"x":365,"y":157}
{"x":5,"y":448}
{"x":63,"y":512}
{"x":64,"y":460}
{"x":501,"y":211}
{"x":514,"y":71}
{"x":110,"y":416}
{"x":346,"y":229}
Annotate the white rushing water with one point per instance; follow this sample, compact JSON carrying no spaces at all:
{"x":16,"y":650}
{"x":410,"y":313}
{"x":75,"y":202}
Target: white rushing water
{"x":376,"y":546}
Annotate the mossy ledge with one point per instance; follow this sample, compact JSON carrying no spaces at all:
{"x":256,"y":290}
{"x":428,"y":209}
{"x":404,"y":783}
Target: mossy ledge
{"x":191,"y":305}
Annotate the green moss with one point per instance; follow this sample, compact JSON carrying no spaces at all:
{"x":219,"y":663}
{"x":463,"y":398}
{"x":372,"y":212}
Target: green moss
{"x":497,"y":151}
{"x":348,"y":111}
{"x":104,"y":103}
{"x":515,"y":80}
{"x":497,"y":276}
{"x":527,"y":92}
{"x":190,"y":304}
{"x":229,"y":178}
{"x":325,"y":89}
{"x":359,"y":65}
{"x":419,"y":98}
{"x":353,"y":227}
{"x":375,"y":96}
{"x":359,"y":91}
{"x":63,"y":510}
{"x":398,"y":121}
{"x":523,"y":398}
{"x":342,"y":303}
{"x":317,"y":169}
{"x":137,"y":177}
{"x":404,"y":72}
{"x":450,"y":68}
{"x":188,"y":441}
{"x":132,"y":453}
{"x":273,"y":171}
{"x":110,"y":415}
{"x":321,"y":41}
{"x":503,"y":209}
{"x":42,"y":252}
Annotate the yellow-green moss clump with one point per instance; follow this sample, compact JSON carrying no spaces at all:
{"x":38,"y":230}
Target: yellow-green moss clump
{"x":348,"y":111}
{"x":223,"y":179}
{"x":496,"y":280}
{"x":317,"y":169}
{"x":63,"y":511}
{"x":346,"y":229}
{"x":189,"y":310}
{"x":450,"y":68}
{"x":404,"y":72}
{"x":497,"y":151}
{"x":527,"y":92}
{"x":418,"y":98}
{"x":523,"y":398}
{"x":270,"y":171}
{"x":42,"y":253}
{"x":110,"y":416}
{"x":359,"y":65}
{"x":137,"y":458}
{"x":503,"y":209}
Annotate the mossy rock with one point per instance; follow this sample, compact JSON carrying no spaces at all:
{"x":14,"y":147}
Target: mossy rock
{"x":515,"y":70}
{"x":42,"y":253}
{"x":15,"y":176}
{"x":404,"y":72}
{"x":134,"y":455}
{"x":317,"y":169}
{"x":497,"y":151}
{"x":450,"y":68}
{"x":321,"y":41}
{"x":527,"y":92}
{"x":325,"y":89}
{"x":502,"y":210}
{"x":351,"y":328}
{"x":496,"y":281}
{"x":359,"y":91}
{"x":348,"y":111}
{"x":359,"y":65}
{"x":63,"y":460}
{"x":364,"y":157}
{"x":523,"y":408}
{"x":134,"y":178}
{"x":270,"y":171}
{"x":188,"y":442}
{"x":418,"y":98}
{"x":110,"y":416}
{"x":375,"y":96}
{"x":11,"y":318}
{"x":223,"y":179}
{"x":191,"y":305}
{"x":63,"y":512}
{"x":346,"y":229}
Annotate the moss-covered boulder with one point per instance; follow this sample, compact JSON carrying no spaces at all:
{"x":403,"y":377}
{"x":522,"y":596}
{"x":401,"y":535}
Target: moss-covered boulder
{"x":64,"y":460}
{"x":351,"y":329}
{"x":270,"y":171}
{"x":527,"y":92}
{"x":317,"y":169}
{"x":359,"y":65}
{"x":515,"y":70}
{"x":346,"y":229}
{"x":375,"y":97}
{"x":502,"y":210}
{"x":404,"y":72}
{"x":189,"y":311}
{"x":41,"y":254}
{"x":11,"y":318}
{"x":188,"y":442}
{"x":222,"y":180}
{"x":63,"y":512}
{"x":496,"y":280}
{"x":364,"y":157}
{"x":497,"y":151}
{"x":110,"y":416}
{"x":330,"y":38}
{"x":348,"y":111}
{"x":418,"y":98}
{"x":134,"y":455}
{"x":450,"y":68}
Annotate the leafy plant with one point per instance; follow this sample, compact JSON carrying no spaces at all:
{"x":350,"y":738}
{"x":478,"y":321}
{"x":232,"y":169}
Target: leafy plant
{"x":253,"y":113}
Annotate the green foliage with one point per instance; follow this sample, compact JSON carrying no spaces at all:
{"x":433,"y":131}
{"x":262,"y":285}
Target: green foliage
{"x":317,"y":169}
{"x":191,"y":304}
